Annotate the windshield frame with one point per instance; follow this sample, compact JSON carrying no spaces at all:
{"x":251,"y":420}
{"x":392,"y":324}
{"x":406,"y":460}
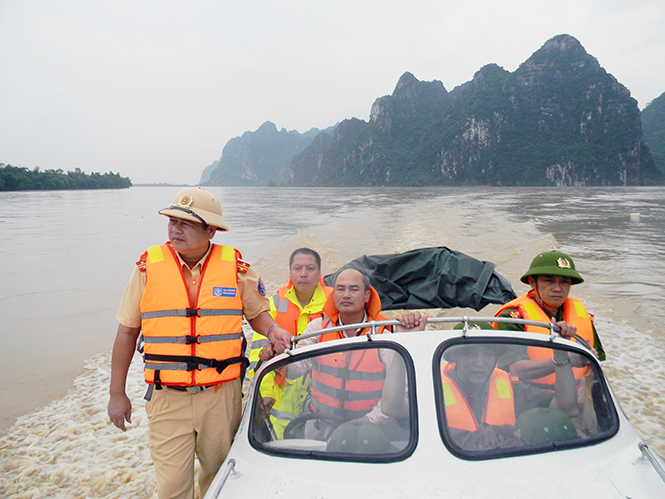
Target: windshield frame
{"x":345,"y":345}
{"x":500,"y":453}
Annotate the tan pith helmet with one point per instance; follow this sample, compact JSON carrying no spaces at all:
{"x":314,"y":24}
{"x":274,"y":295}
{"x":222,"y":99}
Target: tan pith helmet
{"x":197,"y":205}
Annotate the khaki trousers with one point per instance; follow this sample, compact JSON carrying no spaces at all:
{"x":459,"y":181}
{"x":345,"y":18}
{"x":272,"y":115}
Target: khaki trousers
{"x":182,"y":425}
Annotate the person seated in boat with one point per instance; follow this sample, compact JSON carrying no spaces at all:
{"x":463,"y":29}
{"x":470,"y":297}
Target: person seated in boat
{"x":550,"y":276}
{"x":293,"y":306}
{"x":483,"y":402}
{"x":353,"y":301}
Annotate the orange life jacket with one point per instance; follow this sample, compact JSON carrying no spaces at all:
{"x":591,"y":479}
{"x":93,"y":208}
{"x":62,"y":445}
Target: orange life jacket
{"x":574,"y":313}
{"x":499,"y":407}
{"x":288,"y":315}
{"x":199,"y":344}
{"x":348,"y":384}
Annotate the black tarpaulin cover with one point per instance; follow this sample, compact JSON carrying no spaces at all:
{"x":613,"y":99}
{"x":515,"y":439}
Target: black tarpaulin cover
{"x":432,"y":278}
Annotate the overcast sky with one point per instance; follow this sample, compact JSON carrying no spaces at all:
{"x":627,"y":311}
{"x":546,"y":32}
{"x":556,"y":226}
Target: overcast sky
{"x":155,"y":89}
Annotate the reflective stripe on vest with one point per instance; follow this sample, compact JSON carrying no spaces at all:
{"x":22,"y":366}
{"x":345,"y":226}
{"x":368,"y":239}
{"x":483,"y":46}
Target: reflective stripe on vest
{"x":282,"y":415}
{"x":281,"y":304}
{"x":293,"y":317}
{"x":574,"y":313}
{"x":191,"y":345}
{"x":499,"y":406}
{"x":193,"y":339}
{"x":189,"y":312}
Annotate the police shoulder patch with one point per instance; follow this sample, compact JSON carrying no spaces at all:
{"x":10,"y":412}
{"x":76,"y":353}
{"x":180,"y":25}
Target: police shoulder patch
{"x":142,"y":262}
{"x":515,"y":314}
{"x":242,"y":266}
{"x":261,"y":287}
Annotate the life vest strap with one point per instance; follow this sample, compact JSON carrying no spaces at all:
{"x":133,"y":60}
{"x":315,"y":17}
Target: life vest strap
{"x":345,"y":395}
{"x":187,"y":363}
{"x":326,"y":409}
{"x":148,"y":393}
{"x":348,"y":374}
{"x":191,"y":312}
{"x":189,"y":339}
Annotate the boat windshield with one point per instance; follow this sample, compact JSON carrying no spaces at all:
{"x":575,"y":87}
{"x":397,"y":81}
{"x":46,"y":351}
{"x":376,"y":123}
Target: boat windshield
{"x":498,"y":399}
{"x":353,"y":402}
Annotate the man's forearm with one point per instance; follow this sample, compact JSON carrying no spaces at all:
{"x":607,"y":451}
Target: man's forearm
{"x":121,"y":358}
{"x":532,"y":369}
{"x":266,"y":325}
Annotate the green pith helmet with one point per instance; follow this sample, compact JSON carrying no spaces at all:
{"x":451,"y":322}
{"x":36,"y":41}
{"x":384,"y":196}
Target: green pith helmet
{"x":553,"y":263}
{"x":359,"y":437}
{"x":543,"y":426}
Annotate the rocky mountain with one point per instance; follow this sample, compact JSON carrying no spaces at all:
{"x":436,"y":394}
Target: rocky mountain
{"x":653,"y":128}
{"x":559,"y":119}
{"x":207,"y":171}
{"x":261,"y":157}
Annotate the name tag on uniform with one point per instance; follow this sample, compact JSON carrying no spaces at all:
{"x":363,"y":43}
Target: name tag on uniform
{"x":227,"y":292}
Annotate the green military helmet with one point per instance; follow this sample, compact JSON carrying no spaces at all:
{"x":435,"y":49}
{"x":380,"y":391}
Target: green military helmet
{"x":542,"y":425}
{"x":553,"y":263}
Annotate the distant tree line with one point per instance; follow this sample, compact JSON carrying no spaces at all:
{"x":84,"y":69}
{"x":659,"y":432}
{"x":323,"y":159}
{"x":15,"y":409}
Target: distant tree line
{"x":15,"y":178}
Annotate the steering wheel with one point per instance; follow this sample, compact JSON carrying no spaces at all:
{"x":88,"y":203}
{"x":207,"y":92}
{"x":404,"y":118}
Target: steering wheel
{"x":332,"y":420}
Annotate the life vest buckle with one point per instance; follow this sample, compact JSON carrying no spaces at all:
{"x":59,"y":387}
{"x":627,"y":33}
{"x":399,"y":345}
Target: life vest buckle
{"x":192,"y":312}
{"x":189,"y":339}
{"x":192,"y":366}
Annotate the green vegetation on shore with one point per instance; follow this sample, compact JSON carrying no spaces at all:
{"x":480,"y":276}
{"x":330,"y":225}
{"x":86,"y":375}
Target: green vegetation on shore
{"x":16,"y":178}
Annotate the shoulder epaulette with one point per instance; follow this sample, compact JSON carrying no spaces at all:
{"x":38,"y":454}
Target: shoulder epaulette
{"x":142,"y":262}
{"x":515,"y":314}
{"x":242,"y":266}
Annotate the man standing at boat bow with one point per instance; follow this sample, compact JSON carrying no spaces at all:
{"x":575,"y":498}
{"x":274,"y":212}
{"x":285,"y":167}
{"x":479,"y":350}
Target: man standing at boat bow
{"x":188,"y":297}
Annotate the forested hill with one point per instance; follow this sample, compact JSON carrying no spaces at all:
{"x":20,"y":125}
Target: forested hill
{"x":653,"y":127}
{"x":17,"y":178}
{"x":558,"y":119}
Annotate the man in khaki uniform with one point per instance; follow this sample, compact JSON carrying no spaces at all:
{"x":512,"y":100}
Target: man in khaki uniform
{"x":188,"y":297}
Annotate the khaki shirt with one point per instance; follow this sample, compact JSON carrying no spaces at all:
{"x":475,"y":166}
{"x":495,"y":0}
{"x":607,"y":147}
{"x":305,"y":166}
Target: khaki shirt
{"x":253,"y":302}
